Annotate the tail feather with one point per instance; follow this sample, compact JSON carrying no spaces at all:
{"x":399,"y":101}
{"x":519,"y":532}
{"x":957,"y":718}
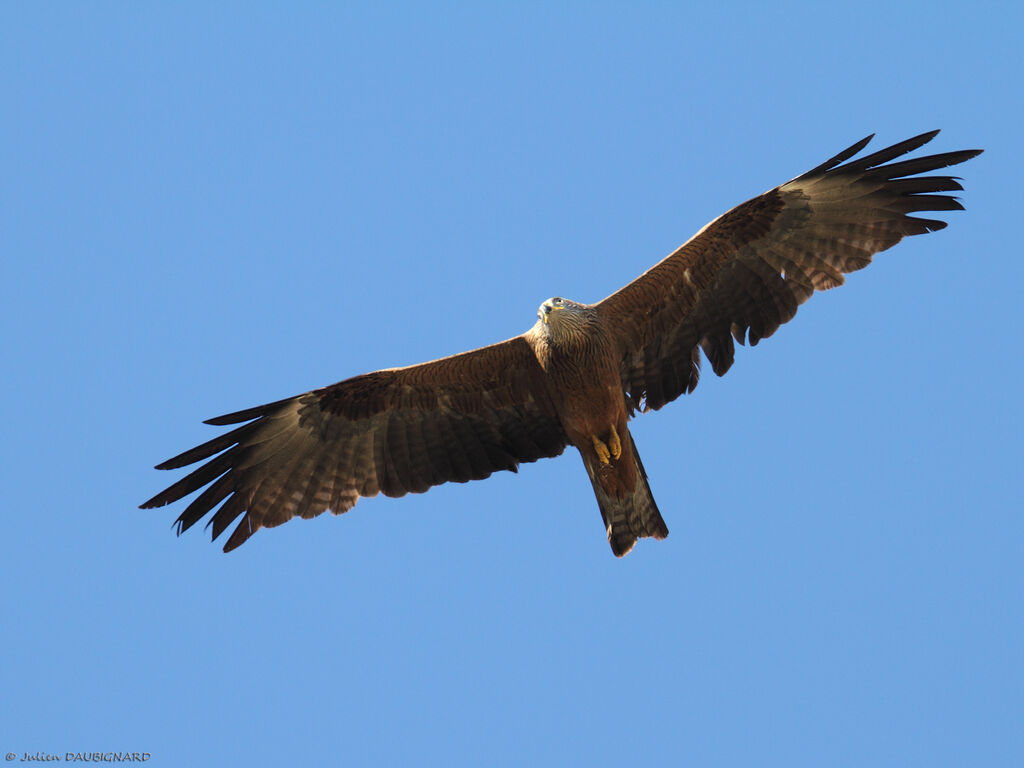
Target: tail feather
{"x":632,"y":516}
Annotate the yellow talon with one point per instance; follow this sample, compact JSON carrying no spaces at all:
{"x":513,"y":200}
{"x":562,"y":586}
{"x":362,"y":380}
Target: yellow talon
{"x":602,"y":450}
{"x":615,"y":444}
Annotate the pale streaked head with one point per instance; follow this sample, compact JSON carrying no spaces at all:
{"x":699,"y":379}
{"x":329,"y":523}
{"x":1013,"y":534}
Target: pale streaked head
{"x":553,"y":306}
{"x":559,"y":316}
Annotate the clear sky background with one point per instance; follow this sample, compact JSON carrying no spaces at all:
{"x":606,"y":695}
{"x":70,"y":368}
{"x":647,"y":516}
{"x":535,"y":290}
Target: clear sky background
{"x":203,"y":209}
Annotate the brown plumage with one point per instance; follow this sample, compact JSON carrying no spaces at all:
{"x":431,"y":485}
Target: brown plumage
{"x":578,"y":375}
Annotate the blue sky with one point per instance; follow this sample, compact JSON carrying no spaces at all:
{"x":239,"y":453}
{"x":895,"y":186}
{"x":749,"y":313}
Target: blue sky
{"x":203,"y":209}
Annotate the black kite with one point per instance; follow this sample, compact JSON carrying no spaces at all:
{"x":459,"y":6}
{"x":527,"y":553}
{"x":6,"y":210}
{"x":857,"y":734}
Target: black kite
{"x":579,"y":374}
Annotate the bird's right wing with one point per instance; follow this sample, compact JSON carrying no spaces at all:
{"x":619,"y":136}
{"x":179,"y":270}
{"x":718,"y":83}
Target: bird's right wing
{"x":394,"y":431}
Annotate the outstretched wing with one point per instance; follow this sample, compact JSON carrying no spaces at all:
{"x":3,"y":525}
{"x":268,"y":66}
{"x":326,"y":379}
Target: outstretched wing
{"x":744,"y":274}
{"x":393,"y":432}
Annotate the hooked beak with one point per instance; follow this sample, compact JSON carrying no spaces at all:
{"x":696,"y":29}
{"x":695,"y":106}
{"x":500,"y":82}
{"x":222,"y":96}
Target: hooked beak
{"x":545,"y":311}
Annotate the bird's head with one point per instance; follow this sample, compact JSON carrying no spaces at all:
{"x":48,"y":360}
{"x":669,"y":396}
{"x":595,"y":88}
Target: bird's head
{"x":549,"y":310}
{"x":558,"y":315}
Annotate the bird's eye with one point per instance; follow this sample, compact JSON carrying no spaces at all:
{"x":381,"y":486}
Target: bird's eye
{"x":557,"y":300}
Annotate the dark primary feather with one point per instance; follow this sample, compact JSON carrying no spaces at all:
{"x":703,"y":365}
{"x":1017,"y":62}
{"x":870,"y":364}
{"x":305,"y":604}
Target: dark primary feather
{"x":393,"y":432}
{"x":745,"y":273}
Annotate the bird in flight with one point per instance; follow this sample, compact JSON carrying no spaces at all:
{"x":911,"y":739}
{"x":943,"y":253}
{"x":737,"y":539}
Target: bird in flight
{"x":579,"y":374}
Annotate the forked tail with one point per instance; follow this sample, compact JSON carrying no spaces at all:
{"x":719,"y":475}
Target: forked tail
{"x":632,"y":515}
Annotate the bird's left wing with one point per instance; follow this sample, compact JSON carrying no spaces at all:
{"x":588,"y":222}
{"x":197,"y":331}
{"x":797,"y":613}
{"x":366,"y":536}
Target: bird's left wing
{"x":744,"y":274}
{"x":394,"y":431}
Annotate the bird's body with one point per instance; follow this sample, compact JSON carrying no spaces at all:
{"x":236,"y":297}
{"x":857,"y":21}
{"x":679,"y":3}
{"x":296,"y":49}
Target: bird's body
{"x":579,"y":374}
{"x":579,"y":354}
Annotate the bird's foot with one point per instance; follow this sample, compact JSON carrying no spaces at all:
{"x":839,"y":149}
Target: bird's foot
{"x":615,"y":444}
{"x":609,"y":451}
